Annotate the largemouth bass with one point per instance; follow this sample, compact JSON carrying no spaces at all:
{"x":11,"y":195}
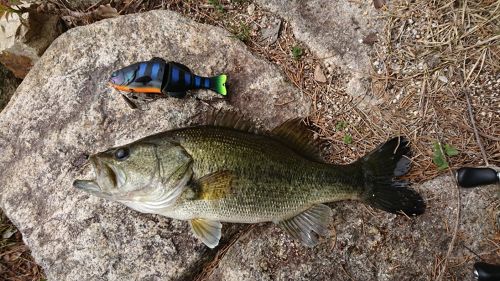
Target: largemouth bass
{"x":226,"y":172}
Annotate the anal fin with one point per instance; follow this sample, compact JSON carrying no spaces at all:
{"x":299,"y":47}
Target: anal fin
{"x":209,"y":232}
{"x":309,"y":225}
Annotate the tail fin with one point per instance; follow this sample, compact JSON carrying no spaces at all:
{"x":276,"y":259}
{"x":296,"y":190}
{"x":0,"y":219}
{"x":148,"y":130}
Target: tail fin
{"x":218,"y":84}
{"x":384,"y":192}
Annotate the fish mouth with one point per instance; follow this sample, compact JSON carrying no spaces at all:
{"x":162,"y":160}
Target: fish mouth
{"x":90,"y":186}
{"x":87,"y":185}
{"x":116,"y":175}
{"x":107,"y":177}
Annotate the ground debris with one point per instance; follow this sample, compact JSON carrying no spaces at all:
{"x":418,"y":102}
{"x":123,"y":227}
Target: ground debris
{"x":16,"y":262}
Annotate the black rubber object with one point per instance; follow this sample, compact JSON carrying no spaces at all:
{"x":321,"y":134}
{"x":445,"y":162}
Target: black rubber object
{"x":472,"y":177}
{"x":486,"y":272}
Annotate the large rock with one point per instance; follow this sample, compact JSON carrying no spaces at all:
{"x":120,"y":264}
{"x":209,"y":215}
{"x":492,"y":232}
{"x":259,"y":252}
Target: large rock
{"x":372,"y":245}
{"x":64,"y":109}
{"x":334,"y":31}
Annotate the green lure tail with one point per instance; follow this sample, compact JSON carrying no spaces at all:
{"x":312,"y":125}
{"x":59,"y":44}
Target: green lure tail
{"x":218,"y":84}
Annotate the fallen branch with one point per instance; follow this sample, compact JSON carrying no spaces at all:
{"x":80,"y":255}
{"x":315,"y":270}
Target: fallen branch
{"x":476,"y":134}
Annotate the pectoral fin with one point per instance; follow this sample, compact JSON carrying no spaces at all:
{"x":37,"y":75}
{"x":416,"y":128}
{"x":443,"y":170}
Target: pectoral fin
{"x":308,"y":225}
{"x":209,"y":232}
{"x":216,"y":185}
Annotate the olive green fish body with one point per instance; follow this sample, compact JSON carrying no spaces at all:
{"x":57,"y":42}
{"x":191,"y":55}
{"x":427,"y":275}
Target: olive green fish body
{"x":272,"y":181}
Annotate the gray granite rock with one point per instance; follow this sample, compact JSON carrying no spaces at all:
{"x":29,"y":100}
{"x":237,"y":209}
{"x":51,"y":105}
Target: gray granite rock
{"x":63,"y":109}
{"x":372,"y":245}
{"x":334,"y":31}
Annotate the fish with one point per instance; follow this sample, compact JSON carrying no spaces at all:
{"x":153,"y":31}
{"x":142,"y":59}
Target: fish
{"x":157,"y":76}
{"x":226,"y":170}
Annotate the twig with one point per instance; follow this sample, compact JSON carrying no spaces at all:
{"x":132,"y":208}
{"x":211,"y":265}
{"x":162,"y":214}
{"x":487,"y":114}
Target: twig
{"x":478,"y":139}
{"x":455,"y":230}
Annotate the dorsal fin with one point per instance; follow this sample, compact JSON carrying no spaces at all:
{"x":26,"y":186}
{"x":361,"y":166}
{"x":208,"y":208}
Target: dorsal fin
{"x":230,"y":119}
{"x":297,"y":136}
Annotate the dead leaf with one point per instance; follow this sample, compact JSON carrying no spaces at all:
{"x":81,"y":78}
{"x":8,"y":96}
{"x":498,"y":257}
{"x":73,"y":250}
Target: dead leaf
{"x":106,"y":11}
{"x":319,"y":75}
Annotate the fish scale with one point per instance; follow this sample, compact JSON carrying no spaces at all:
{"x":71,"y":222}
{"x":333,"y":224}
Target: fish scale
{"x":269,"y":185}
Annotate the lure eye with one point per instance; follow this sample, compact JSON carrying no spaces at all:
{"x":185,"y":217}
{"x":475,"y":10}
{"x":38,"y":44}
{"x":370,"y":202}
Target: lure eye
{"x":121,"y":154}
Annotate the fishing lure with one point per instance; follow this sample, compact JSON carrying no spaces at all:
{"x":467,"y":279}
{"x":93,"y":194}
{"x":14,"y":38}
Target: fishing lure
{"x":157,"y":76}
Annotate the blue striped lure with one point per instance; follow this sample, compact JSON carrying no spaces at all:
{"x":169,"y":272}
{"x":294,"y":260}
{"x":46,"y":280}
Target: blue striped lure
{"x":164,"y":78}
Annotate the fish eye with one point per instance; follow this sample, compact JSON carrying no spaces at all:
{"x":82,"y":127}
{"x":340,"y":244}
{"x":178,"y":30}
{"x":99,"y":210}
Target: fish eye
{"x":114,"y":74}
{"x":121,"y":154}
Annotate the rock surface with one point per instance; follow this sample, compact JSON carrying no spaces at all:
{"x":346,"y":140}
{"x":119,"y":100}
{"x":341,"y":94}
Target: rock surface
{"x":372,"y":245}
{"x":64,"y":109}
{"x":334,"y":31}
